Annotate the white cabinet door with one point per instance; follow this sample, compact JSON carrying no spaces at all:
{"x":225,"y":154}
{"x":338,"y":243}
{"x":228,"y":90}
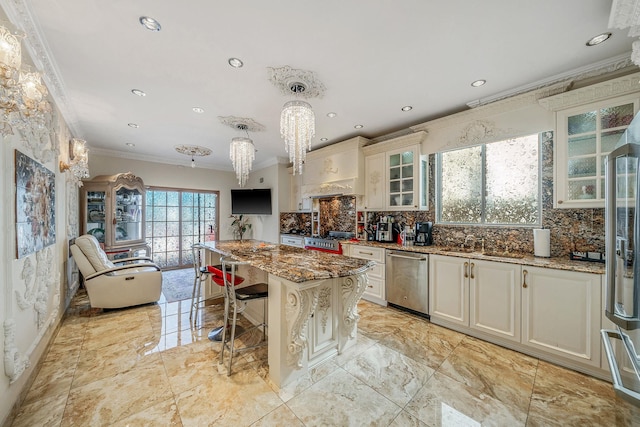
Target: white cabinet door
{"x":403,"y":171}
{"x":449,"y":289}
{"x":495,"y":298}
{"x":561,"y":313}
{"x":374,"y":185}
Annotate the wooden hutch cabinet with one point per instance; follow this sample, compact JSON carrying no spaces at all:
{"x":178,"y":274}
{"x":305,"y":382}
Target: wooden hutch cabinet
{"x":112,"y":208}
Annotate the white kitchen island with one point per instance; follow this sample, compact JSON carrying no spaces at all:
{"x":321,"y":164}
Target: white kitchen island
{"x":312,"y":303}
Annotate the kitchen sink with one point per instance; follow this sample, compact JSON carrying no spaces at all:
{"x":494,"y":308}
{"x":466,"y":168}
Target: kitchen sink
{"x":456,"y":249}
{"x":504,"y":255}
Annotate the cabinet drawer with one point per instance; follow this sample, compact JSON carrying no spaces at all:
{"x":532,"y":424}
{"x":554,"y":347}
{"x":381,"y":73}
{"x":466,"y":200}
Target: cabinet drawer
{"x":377,"y":271}
{"x":375,"y":288}
{"x":367,"y":252}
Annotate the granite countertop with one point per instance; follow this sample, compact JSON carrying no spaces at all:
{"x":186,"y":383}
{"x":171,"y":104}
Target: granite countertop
{"x":294,"y":264}
{"x":512,"y":258}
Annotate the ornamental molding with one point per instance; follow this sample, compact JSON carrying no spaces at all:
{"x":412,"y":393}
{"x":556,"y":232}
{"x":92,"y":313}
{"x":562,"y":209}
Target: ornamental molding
{"x":324,"y":303}
{"x":329,"y":188}
{"x":193,"y":150}
{"x":353,"y":288}
{"x":328,"y":168}
{"x":300,"y":303}
{"x":375,"y":178}
{"x":241,"y":123}
{"x":625,"y":13}
{"x":15,"y":363}
{"x":478,"y":132}
{"x":284,"y":77}
{"x":616,"y":87}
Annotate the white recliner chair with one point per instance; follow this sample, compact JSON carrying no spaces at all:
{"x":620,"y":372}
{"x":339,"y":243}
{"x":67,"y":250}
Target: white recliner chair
{"x":123,"y":283}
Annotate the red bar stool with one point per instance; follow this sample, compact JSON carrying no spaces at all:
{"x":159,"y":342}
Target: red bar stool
{"x":237,"y":299}
{"x":218,"y":277}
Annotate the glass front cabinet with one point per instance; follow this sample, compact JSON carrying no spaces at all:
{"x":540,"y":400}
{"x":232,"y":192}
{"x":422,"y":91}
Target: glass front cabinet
{"x":112,"y":210}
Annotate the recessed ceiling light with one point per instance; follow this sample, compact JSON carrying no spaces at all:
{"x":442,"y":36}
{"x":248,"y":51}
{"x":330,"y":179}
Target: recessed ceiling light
{"x":130,"y":144}
{"x":236,"y":63}
{"x":198,"y":110}
{"x":332,"y":114}
{"x":150,"y":23}
{"x":478,"y":83}
{"x":358,"y":126}
{"x":324,"y":139}
{"x":598,"y":39}
{"x":133,"y":125}
{"x":138,"y":92}
{"x":407,"y":108}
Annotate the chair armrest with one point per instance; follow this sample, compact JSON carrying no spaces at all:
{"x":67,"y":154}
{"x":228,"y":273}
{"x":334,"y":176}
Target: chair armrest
{"x":122,"y":267}
{"x":138,"y":258}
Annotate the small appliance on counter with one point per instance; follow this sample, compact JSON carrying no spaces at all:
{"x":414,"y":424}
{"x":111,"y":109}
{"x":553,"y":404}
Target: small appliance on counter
{"x":423,"y":234}
{"x":384,"y":232}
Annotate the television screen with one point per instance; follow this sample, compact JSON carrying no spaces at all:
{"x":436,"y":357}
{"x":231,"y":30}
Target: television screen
{"x":256,"y":201}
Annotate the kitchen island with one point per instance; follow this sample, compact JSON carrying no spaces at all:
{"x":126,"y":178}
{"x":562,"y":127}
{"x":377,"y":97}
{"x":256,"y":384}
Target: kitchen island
{"x":312,"y":305}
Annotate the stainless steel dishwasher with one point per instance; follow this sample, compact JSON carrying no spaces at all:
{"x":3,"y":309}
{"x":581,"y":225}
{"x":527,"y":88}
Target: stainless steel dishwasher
{"x":407,"y":280}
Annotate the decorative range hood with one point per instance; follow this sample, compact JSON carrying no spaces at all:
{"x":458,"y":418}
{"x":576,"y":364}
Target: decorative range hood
{"x":335,"y":170}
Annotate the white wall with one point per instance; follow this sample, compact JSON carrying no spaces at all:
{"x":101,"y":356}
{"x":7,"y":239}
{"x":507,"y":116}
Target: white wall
{"x":264,"y":227}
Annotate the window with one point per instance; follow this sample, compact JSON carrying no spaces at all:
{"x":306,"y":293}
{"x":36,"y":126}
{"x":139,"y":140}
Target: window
{"x":492,"y":184}
{"x":176,"y":219}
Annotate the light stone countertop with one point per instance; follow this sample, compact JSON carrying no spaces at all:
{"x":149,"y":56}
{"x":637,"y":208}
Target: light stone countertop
{"x":522,"y":259}
{"x":294,"y":264}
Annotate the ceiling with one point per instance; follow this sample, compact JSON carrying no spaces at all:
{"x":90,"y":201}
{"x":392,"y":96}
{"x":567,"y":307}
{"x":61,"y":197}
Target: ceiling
{"x":372,"y":56}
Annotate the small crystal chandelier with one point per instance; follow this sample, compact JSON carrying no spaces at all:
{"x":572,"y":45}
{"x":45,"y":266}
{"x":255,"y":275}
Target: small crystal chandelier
{"x":297,"y":128}
{"x":242,"y":154}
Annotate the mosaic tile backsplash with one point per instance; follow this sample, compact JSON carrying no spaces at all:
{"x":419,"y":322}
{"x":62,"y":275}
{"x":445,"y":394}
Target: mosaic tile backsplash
{"x":571,"y":229}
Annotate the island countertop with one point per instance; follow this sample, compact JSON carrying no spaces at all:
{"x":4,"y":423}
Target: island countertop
{"x":294,"y":264}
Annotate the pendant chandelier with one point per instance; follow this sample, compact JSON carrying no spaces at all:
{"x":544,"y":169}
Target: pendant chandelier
{"x":297,"y":120}
{"x":297,"y":128}
{"x":242,"y":153}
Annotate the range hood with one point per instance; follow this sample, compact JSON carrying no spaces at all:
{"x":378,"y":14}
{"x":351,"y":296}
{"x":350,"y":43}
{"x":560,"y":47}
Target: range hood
{"x":335,"y":170}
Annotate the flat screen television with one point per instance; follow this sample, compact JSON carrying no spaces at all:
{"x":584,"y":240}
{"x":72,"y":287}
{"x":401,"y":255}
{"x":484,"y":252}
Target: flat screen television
{"x":254,"y":201}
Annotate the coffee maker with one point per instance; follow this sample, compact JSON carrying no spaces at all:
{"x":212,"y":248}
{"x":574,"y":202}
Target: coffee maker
{"x":423,"y":234}
{"x":384,"y":232}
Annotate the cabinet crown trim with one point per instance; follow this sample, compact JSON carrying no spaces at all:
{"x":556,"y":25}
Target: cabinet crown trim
{"x":396,"y":143}
{"x":596,"y":92}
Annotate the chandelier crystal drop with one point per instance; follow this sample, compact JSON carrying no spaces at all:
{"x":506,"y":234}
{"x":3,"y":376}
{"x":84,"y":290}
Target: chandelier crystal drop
{"x":242,"y":154}
{"x":297,"y":128}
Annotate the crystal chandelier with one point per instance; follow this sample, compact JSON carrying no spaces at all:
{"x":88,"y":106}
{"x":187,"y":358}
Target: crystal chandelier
{"x":242,"y":154}
{"x":23,"y":103}
{"x":297,"y":127}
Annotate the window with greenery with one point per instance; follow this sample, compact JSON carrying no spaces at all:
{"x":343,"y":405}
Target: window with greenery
{"x":492,"y":184}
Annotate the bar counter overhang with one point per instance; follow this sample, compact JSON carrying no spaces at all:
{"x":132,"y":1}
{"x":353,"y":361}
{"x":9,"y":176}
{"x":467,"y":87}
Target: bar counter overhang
{"x":312,"y":305}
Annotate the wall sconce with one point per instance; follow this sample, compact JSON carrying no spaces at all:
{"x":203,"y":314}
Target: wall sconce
{"x":78,"y":159}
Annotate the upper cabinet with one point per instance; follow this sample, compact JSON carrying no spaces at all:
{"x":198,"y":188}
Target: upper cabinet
{"x":589,"y":123}
{"x":396,"y":174}
{"x":586,"y":134}
{"x":336,"y":169}
{"x":112,"y":209}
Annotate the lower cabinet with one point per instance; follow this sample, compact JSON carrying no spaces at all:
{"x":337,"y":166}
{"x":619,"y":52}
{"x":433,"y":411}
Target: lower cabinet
{"x":561,"y":312}
{"x":375,"y":288}
{"x":550,"y":311}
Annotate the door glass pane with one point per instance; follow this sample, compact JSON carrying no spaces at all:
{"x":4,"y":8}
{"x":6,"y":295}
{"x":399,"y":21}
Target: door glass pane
{"x":582,"y":145}
{"x":407,"y":185}
{"x":620,"y":115}
{"x":394,"y":160}
{"x":407,"y":157}
{"x":128,"y":215}
{"x":581,"y":123}
{"x":582,"y":167}
{"x":609,"y":140}
{"x":461,"y":185}
{"x":407,"y":199}
{"x":582,"y":189}
{"x":394,"y":187}
{"x":394,"y":173}
{"x":407,"y":171}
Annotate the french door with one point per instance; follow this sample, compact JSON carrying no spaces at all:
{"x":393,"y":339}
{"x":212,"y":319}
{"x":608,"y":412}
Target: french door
{"x":176,"y":219}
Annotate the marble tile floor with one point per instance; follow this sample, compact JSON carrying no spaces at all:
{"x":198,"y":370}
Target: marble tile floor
{"x":148,"y":366}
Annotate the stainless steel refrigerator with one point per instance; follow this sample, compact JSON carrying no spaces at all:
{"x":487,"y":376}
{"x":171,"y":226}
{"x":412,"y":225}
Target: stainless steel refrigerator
{"x":622,"y":232}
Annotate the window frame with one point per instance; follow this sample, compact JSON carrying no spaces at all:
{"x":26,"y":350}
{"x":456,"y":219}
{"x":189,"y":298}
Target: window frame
{"x":483,"y":223}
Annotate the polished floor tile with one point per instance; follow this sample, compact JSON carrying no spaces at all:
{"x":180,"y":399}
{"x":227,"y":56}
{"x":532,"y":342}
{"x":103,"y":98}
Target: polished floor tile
{"x":152,"y":365}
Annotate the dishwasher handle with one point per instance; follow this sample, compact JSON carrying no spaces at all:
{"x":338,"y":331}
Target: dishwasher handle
{"x":413,"y":258}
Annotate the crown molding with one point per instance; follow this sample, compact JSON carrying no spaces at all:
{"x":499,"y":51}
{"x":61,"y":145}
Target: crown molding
{"x":414,"y":138}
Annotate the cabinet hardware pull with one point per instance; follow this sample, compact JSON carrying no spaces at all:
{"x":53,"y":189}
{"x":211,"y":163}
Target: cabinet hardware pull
{"x":466,"y":269}
{"x":472,"y":265}
{"x":367,"y":253}
{"x":524,"y":279}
